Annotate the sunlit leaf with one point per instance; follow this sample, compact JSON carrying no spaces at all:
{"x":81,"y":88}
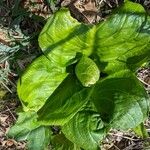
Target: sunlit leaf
{"x":64,"y":103}
{"x":37,"y":83}
{"x":123,"y":40}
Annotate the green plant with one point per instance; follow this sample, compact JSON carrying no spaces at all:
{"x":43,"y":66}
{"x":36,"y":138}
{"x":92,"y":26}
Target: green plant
{"x":63,"y":87}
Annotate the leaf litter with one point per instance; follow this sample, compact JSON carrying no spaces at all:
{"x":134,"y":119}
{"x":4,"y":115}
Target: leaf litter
{"x":21,"y":31}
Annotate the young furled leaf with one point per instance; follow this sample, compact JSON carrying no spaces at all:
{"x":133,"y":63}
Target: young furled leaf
{"x":87,"y":71}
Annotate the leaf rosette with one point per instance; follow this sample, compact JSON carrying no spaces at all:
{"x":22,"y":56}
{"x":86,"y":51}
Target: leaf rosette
{"x":67,"y":90}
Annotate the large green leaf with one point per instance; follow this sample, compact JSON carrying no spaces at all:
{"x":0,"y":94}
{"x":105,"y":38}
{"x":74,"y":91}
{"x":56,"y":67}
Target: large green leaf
{"x":64,"y":103}
{"x":120,"y":42}
{"x":63,"y":36}
{"x":86,"y":129}
{"x":27,"y":128}
{"x":60,"y":142}
{"x":27,"y":121}
{"x":39,"y":80}
{"x":123,"y":40}
{"x":39,"y":139}
{"x":121,"y":100}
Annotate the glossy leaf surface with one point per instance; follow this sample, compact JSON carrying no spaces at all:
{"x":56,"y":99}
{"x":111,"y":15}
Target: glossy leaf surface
{"x":123,"y":40}
{"x":120,"y":42}
{"x":117,"y":46}
{"x":64,"y":103}
{"x":86,"y":129}
{"x":121,"y":100}
{"x":63,"y":36}
{"x":39,"y":80}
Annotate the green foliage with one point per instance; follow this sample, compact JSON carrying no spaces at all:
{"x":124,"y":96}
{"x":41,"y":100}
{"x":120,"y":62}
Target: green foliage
{"x":39,"y":138}
{"x":64,"y":103}
{"x":86,"y":128}
{"x":27,"y":121}
{"x":60,"y":142}
{"x":27,"y":128}
{"x":39,"y":77}
{"x":67,"y":90}
{"x":140,"y":130}
{"x":121,"y":100}
{"x":122,"y":42}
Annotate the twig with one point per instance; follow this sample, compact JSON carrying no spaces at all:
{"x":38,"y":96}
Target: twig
{"x":117,"y":3}
{"x":143,"y":81}
{"x":101,"y":1}
{"x":6,"y":87}
{"x":129,"y":147}
{"x":116,"y":147}
{"x":108,"y":3}
{"x":11,"y":113}
{"x":6,"y":110}
{"x":125,"y":137}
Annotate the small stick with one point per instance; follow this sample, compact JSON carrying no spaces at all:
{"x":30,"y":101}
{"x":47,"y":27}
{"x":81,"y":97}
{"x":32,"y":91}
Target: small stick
{"x":116,"y":147}
{"x":125,"y":137}
{"x":144,"y":82}
{"x":117,"y":3}
{"x":11,"y":113}
{"x":6,"y":87}
{"x":6,"y":110}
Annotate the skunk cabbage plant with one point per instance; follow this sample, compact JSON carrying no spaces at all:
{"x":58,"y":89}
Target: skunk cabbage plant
{"x":85,"y":80}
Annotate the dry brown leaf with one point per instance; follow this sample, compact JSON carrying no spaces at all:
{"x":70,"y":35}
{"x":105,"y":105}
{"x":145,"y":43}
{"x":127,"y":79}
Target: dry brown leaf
{"x":10,"y":142}
{"x":3,"y":119}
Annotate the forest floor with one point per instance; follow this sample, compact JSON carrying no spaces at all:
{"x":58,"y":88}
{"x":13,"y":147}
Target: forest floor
{"x":20,"y":24}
